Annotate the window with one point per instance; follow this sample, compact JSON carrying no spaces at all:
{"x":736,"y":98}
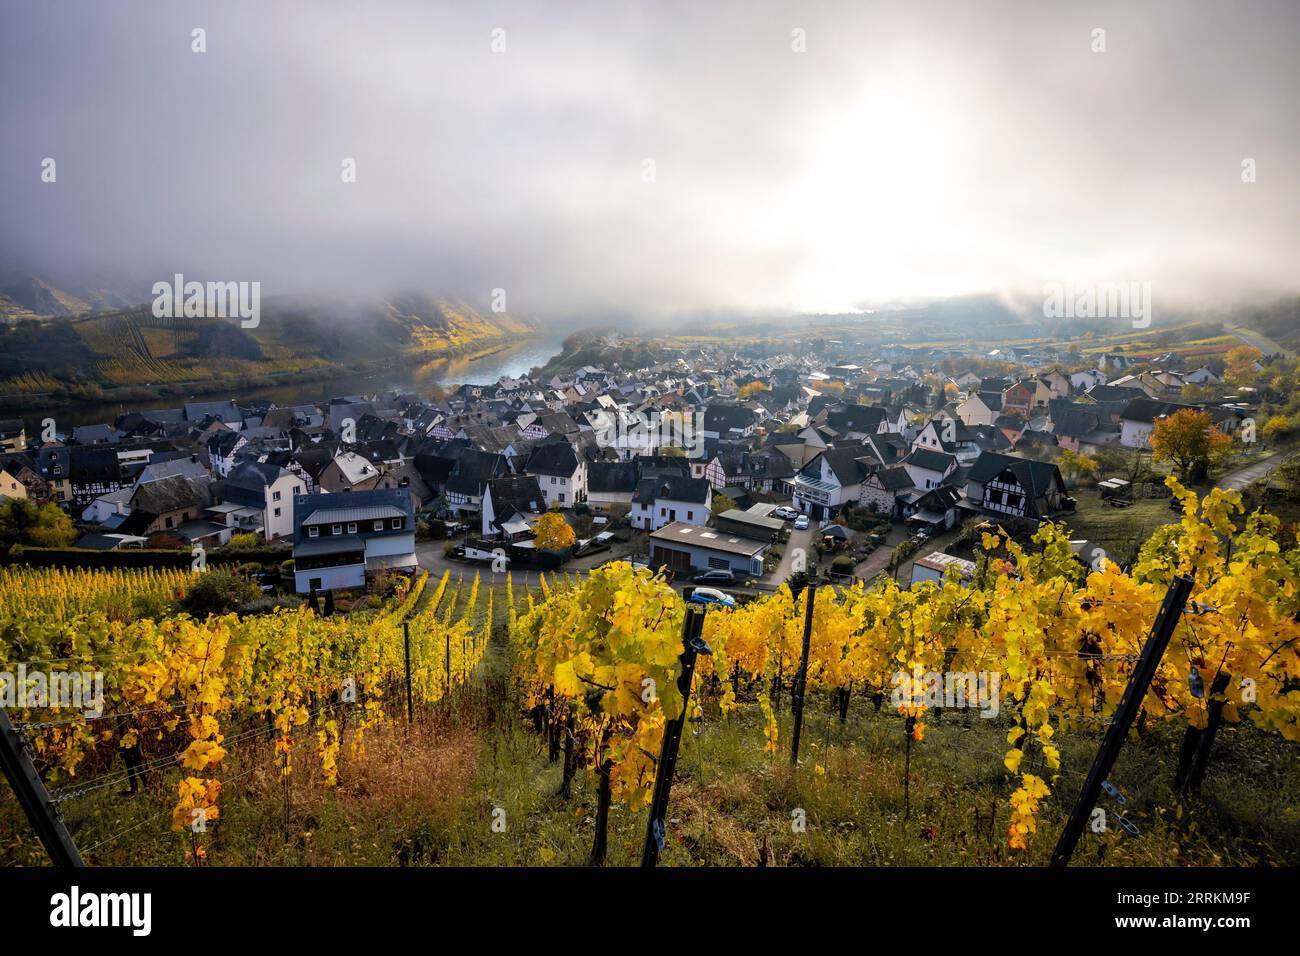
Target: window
{"x":379,"y":526}
{"x":277,"y":512}
{"x":352,"y":527}
{"x":719,"y":564}
{"x":690,"y":515}
{"x":313,"y":532}
{"x":337,"y":529}
{"x":560,"y":497}
{"x":663,"y":512}
{"x":552,"y":479}
{"x":275,"y":496}
{"x":397,"y":524}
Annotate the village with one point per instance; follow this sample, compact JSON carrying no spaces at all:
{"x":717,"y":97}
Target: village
{"x":733,"y":467}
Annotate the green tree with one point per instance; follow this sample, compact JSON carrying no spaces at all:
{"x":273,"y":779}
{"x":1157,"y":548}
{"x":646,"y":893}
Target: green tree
{"x":44,"y":526}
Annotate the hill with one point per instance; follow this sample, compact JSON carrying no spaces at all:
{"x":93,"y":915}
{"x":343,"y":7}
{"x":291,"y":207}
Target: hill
{"x":51,"y":343}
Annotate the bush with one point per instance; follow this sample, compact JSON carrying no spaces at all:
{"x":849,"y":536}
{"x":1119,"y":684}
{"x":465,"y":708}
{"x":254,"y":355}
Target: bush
{"x":843,"y":564}
{"x":219,"y":592}
{"x":242,"y":541}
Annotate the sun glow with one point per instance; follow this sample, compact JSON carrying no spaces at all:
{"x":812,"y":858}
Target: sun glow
{"x":880,"y":202}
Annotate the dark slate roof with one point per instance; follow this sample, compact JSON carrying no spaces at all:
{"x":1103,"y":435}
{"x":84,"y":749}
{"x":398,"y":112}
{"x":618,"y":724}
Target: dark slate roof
{"x":894,"y":478}
{"x":855,"y":418}
{"x":673,"y":488}
{"x":399,"y":498}
{"x":172,"y":494}
{"x":223,"y":442}
{"x":1036,"y":477}
{"x":519,"y":493}
{"x":1114,"y":393}
{"x":247,"y":481}
{"x":931,"y":460}
{"x":226,"y":411}
{"x":552,"y":458}
{"x":473,"y":470}
{"x":1149,"y":409}
{"x":847,"y":463}
{"x":722,"y":418}
{"x":90,"y":464}
{"x":612,"y":476}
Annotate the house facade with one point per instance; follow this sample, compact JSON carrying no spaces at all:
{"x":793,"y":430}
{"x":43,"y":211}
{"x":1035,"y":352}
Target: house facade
{"x":340,"y":538}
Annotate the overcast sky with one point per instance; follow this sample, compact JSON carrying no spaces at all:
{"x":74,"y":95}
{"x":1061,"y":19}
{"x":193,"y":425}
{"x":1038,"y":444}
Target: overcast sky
{"x":913,"y":149}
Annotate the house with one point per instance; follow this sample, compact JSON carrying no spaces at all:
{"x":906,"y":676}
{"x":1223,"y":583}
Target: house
{"x":831,"y":480}
{"x":881,"y":489}
{"x":560,"y":472}
{"x":223,"y":445}
{"x":685,"y":548}
{"x":348,"y":471}
{"x":339,"y":539}
{"x":980,"y":408}
{"x":1021,"y":487}
{"x":1078,"y":426}
{"x":168,"y":505}
{"x":1086,"y":379}
{"x":730,"y":422}
{"x":936,"y":565}
{"x":1017,"y":399}
{"x":93,"y":470}
{"x":263,"y":495}
{"x":662,"y":500}
{"x":611,"y":483}
{"x":10,"y":486}
{"x":749,"y":524}
{"x":13,"y":435}
{"x":510,"y":507}
{"x":1202,"y":376}
{"x":468,"y":477}
{"x":927,"y":468}
{"x":22,"y":469}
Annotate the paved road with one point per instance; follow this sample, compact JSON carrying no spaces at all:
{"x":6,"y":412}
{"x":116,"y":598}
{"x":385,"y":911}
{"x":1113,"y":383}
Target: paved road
{"x":1239,"y":479}
{"x":1266,"y":346}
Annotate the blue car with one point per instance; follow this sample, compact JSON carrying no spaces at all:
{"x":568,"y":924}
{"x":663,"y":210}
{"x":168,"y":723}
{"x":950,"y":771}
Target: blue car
{"x":712,"y":596}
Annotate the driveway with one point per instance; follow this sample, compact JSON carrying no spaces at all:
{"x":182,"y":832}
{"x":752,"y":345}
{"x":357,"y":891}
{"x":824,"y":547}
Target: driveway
{"x":798,"y":540}
{"x":878,"y":559}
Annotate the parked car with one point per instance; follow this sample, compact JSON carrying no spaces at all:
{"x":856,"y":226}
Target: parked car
{"x":712,"y":596}
{"x":785,"y":514}
{"x":714,"y":577}
{"x":801,"y":523}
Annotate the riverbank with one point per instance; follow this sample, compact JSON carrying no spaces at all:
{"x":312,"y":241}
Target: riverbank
{"x":484,"y":363}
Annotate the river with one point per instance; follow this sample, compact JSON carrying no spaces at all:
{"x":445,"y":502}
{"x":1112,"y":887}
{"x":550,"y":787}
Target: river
{"x":513,"y":359}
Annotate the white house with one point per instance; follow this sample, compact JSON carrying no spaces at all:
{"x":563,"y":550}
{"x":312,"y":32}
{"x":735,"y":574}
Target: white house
{"x":661,"y":501}
{"x":561,"y":473}
{"x":832,"y":479}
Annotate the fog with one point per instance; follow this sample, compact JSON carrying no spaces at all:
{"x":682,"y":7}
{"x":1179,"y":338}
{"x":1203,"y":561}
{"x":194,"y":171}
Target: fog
{"x":649,"y":158}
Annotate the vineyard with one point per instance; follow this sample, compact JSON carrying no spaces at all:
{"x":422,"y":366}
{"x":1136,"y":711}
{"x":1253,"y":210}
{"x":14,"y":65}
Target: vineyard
{"x":496,"y":724}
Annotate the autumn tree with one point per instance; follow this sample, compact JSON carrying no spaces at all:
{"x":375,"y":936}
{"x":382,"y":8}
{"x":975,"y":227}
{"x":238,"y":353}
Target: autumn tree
{"x":1241,"y":363}
{"x":753,"y":388}
{"x":554,"y":533}
{"x":722,"y":503}
{"x":1187,"y":440}
{"x":1076,"y":466}
{"x":25,"y":522}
